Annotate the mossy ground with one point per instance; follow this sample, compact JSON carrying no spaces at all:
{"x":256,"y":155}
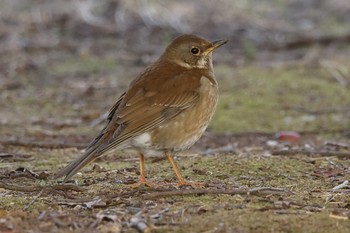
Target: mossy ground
{"x":54,"y":91}
{"x":308,"y":209}
{"x":252,"y":99}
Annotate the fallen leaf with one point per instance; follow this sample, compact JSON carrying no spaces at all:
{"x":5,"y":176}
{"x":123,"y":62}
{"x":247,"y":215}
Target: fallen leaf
{"x":288,"y":136}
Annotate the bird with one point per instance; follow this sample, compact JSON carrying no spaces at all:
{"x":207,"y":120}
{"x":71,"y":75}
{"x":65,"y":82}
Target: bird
{"x":164,"y":111}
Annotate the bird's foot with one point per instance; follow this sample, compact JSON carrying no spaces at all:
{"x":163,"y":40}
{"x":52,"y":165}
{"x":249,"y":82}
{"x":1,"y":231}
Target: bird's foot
{"x":143,"y":183}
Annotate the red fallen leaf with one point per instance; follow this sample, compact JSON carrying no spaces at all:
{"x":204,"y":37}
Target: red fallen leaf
{"x":289,"y":136}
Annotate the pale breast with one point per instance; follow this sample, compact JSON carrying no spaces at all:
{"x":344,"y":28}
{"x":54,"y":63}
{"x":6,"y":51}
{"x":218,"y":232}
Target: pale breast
{"x":185,"y":129}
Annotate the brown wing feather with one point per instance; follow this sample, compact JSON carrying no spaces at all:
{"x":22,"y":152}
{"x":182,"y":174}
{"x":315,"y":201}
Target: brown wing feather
{"x":141,"y":108}
{"x":153,"y":109}
{"x":109,"y":118}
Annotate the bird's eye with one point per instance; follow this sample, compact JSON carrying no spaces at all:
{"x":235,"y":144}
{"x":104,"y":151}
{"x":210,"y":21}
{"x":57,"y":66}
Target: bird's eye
{"x":195,"y":51}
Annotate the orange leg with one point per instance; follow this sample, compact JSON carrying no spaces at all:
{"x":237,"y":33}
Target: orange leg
{"x":182,"y":182}
{"x":143,"y":180}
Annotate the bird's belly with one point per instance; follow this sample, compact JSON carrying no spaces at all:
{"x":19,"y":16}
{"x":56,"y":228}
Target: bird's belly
{"x":185,"y":129}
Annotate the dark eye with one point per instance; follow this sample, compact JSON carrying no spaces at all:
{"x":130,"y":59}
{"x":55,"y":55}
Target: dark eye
{"x":195,"y":51}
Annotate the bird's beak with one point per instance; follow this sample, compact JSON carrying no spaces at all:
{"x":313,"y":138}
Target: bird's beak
{"x":214,"y":45}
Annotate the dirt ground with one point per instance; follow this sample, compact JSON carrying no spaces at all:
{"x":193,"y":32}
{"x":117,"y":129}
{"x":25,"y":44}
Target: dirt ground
{"x":274,"y":159}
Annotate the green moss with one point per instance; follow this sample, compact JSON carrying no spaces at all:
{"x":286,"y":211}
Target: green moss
{"x":257,"y":99}
{"x":12,"y":202}
{"x":264,"y":221}
{"x":20,"y":202}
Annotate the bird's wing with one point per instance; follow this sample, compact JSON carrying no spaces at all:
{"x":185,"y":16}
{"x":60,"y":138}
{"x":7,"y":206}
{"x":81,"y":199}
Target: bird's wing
{"x":142,"y":108}
{"x":146,"y":108}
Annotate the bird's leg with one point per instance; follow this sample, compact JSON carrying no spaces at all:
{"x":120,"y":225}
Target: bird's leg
{"x":182,"y":182}
{"x":143,"y":180}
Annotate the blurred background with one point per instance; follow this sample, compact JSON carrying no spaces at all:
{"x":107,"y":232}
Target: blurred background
{"x":64,"y":63}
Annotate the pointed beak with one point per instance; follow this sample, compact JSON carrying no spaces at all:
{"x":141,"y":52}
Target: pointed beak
{"x":214,"y":45}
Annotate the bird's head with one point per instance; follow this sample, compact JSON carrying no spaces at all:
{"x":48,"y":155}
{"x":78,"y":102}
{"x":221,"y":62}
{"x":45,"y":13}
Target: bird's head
{"x":191,"y":51}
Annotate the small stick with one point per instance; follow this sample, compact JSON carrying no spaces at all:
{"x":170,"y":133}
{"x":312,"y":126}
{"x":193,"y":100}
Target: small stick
{"x":56,"y":187}
{"x":16,"y":156}
{"x":337,"y":144}
{"x":34,"y":200}
{"x":50,"y":145}
{"x":223,"y":149}
{"x":64,"y":187}
{"x":310,"y":153}
{"x":254,"y":191}
{"x":342,"y":185}
{"x":14,"y":187}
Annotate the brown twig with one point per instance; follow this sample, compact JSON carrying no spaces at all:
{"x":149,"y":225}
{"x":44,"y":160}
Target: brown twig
{"x":99,"y":203}
{"x":337,"y":144}
{"x":64,"y":187}
{"x":57,"y":187}
{"x":254,"y":191}
{"x":339,"y":154}
{"x":15,"y":156}
{"x":219,"y":150}
{"x":271,"y":134}
{"x":50,"y":145}
{"x":15,"y":187}
{"x":34,"y":200}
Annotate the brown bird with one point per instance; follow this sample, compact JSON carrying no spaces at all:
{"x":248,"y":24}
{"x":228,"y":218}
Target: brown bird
{"x":165,"y":110}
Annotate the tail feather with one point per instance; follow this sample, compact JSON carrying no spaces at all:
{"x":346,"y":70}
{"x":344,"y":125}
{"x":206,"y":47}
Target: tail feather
{"x":96,"y":147}
{"x":72,"y":168}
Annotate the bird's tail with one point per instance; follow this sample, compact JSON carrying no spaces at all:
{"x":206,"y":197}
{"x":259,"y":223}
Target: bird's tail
{"x":72,"y":168}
